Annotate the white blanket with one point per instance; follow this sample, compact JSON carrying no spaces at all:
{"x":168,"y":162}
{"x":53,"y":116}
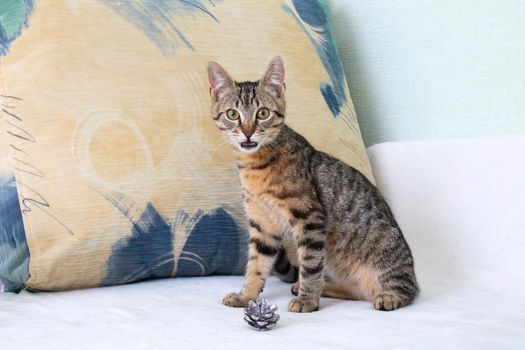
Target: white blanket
{"x":461,"y":205}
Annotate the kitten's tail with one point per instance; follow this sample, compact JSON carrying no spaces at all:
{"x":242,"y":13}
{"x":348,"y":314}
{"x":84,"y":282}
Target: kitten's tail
{"x":283,"y":268}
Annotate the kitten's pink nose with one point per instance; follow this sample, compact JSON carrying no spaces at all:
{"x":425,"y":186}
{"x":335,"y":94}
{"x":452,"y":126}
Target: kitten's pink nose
{"x":248,"y":132}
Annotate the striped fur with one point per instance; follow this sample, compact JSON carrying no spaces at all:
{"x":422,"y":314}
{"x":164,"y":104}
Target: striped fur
{"x":349,"y":245}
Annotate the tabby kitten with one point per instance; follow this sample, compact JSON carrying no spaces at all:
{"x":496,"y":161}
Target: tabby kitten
{"x":349,"y":245}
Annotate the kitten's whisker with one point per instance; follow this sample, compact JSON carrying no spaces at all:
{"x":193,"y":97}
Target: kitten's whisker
{"x":275,"y":146}
{"x":272,"y":144}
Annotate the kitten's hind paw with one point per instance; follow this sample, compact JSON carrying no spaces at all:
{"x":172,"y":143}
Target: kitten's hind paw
{"x":303,"y":305}
{"x":387,"y":302}
{"x":235,"y":300}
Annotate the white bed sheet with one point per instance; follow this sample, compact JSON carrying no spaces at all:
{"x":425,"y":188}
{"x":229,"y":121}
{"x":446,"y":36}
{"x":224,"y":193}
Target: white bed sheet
{"x":187,"y":314}
{"x":461,"y":205}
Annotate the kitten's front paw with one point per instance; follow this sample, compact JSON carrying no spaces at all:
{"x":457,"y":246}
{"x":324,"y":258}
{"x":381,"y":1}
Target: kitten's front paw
{"x":235,"y":300}
{"x":295,"y":288}
{"x":303,"y":305}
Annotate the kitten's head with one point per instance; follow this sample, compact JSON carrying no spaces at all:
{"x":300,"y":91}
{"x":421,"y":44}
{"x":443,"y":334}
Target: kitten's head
{"x":249,"y":114}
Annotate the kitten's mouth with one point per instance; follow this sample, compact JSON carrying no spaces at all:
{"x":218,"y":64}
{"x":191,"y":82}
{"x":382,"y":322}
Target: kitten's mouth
{"x":248,"y":144}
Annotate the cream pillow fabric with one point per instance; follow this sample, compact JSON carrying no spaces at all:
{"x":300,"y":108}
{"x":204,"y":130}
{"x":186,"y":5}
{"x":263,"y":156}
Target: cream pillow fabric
{"x":111,"y":168}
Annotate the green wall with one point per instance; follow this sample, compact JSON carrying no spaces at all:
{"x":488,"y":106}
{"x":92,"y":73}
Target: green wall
{"x":420,"y":69}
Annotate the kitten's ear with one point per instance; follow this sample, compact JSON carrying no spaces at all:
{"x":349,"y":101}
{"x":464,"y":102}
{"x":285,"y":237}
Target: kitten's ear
{"x":220,"y":81}
{"x":273,"y":80}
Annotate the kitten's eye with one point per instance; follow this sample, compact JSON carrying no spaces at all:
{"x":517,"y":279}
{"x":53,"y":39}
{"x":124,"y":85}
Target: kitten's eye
{"x":263,"y":113}
{"x":232,"y":114}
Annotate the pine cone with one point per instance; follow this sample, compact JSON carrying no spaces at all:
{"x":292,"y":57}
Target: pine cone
{"x":260,"y":314}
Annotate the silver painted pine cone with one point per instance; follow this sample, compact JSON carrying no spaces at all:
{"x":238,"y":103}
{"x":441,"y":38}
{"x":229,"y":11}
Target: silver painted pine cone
{"x":261,"y":315}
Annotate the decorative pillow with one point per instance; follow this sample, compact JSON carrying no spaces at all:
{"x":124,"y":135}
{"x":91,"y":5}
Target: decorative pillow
{"x":120,"y":173}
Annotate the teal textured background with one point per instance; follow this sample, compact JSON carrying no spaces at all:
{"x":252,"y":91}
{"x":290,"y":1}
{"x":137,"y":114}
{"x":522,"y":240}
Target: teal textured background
{"x":420,"y":69}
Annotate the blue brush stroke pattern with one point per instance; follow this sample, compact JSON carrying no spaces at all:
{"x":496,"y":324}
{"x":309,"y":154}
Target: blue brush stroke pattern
{"x":14,"y":253}
{"x":215,"y":244}
{"x":219,"y":241}
{"x":157,"y":19}
{"x":14,"y":17}
{"x":313,"y":15}
{"x":146,"y":254}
